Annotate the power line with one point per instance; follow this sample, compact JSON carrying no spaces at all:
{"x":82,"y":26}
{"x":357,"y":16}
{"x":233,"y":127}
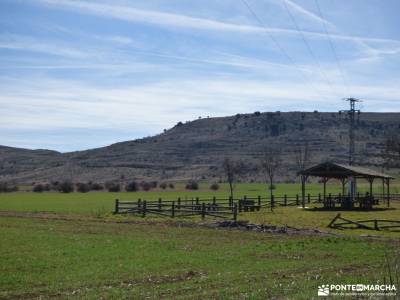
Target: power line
{"x":277,"y":44}
{"x":312,"y":54}
{"x":333,"y":48}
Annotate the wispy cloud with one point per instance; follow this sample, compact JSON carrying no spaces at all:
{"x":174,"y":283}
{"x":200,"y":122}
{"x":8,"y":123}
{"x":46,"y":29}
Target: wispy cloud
{"x":25,"y":43}
{"x":130,"y":14}
{"x":304,"y":12}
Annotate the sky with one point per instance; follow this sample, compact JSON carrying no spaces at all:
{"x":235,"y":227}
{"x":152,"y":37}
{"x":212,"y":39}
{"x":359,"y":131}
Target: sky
{"x":80,"y":74}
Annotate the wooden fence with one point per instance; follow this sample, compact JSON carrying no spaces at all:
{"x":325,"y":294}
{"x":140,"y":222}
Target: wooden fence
{"x":176,"y":209}
{"x":373,"y":224}
{"x":216,"y":207}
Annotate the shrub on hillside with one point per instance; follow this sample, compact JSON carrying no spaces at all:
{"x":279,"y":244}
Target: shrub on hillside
{"x":153,"y":184}
{"x":214,"y":186}
{"x":132,"y":186}
{"x":113,"y":187}
{"x":6,"y":187}
{"x":192,"y":185}
{"x":54,"y":185}
{"x":163,"y":185}
{"x":146,"y":186}
{"x":82,"y":187}
{"x":66,"y":187}
{"x":95,"y":186}
{"x":38,"y":188}
{"x":171,"y":186}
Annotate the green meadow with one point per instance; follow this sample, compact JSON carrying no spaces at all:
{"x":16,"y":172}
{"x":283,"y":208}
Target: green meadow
{"x":70,"y":246}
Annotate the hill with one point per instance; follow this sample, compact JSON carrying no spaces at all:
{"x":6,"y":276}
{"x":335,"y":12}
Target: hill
{"x":197,"y":149}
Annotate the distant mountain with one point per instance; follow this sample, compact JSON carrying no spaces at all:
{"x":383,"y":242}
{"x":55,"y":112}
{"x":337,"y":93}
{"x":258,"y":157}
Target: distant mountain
{"x":196,"y":149}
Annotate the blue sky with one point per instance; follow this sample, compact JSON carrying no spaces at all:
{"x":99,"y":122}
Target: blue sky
{"x":81,"y":74}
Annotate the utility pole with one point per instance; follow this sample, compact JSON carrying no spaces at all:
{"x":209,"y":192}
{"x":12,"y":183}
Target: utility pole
{"x":352,"y":116}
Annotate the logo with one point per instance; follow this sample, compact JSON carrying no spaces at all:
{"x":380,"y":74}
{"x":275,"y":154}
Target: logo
{"x":323,"y":290}
{"x":357,"y":290}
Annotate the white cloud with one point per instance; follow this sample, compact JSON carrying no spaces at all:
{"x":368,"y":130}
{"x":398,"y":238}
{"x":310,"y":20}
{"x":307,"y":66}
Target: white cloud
{"x":163,"y":19}
{"x":24,"y":43}
{"x":69,"y":104}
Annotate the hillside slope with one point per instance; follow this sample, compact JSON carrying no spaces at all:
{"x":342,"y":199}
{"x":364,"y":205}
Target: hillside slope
{"x":196,"y":149}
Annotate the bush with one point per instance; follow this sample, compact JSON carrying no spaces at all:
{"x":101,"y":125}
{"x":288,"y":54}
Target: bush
{"x":82,"y":187}
{"x":171,"y":186}
{"x":66,"y":187}
{"x":163,"y":185}
{"x":95,"y":186}
{"x":54,"y":185}
{"x":132,"y":186}
{"x":113,"y":187}
{"x":192,"y":185}
{"x":38,"y":188}
{"x":6,"y":187}
{"x":214,"y":186}
{"x":146,"y":186}
{"x":153,"y":184}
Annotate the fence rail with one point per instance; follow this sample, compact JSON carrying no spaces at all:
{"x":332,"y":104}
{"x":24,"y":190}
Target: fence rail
{"x":225,"y":207}
{"x":339,"y":222}
{"x":172,"y":209}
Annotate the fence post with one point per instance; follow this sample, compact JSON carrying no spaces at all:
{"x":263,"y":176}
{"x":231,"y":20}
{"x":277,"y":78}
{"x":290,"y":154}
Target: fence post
{"x":144,"y":209}
{"x":308,"y":198}
{"x":285,"y":200}
{"x":319,"y":197}
{"x":203,"y":210}
{"x":235,"y":211}
{"x":240,"y":205}
{"x":272,"y":202}
{"x":197,"y":201}
{"x":159,"y":203}
{"x":139,"y":203}
{"x":297,"y":199}
{"x":116,"y":206}
{"x":259,"y":203}
{"x":376,"y":224}
{"x":214,"y":200}
{"x":173,"y":209}
{"x":179,"y":202}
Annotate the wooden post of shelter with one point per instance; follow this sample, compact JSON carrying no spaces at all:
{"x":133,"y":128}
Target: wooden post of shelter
{"x":303,"y":190}
{"x":343,"y":182}
{"x":388,"y":191}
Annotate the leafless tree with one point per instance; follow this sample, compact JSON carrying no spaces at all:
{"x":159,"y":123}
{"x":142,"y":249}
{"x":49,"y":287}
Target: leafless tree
{"x":302,"y":155}
{"x":232,"y":169}
{"x":270,"y":163}
{"x":391,"y":152}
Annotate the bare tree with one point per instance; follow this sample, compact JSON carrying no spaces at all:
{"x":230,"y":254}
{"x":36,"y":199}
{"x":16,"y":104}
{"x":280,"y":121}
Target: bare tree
{"x":302,"y":155}
{"x":232,"y":170}
{"x":391,"y":152}
{"x":270,"y":163}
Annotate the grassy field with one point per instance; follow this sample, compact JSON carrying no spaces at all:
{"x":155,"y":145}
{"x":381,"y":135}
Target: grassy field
{"x":85,"y":252}
{"x":101,"y":202}
{"x":94,"y":260}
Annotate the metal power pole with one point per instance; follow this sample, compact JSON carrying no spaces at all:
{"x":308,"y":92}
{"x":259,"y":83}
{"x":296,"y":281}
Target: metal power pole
{"x":352,"y":116}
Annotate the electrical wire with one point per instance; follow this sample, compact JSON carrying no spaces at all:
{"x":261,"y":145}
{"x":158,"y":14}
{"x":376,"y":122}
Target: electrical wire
{"x":279,"y":47}
{"x":311,"y":52}
{"x":339,"y":65}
